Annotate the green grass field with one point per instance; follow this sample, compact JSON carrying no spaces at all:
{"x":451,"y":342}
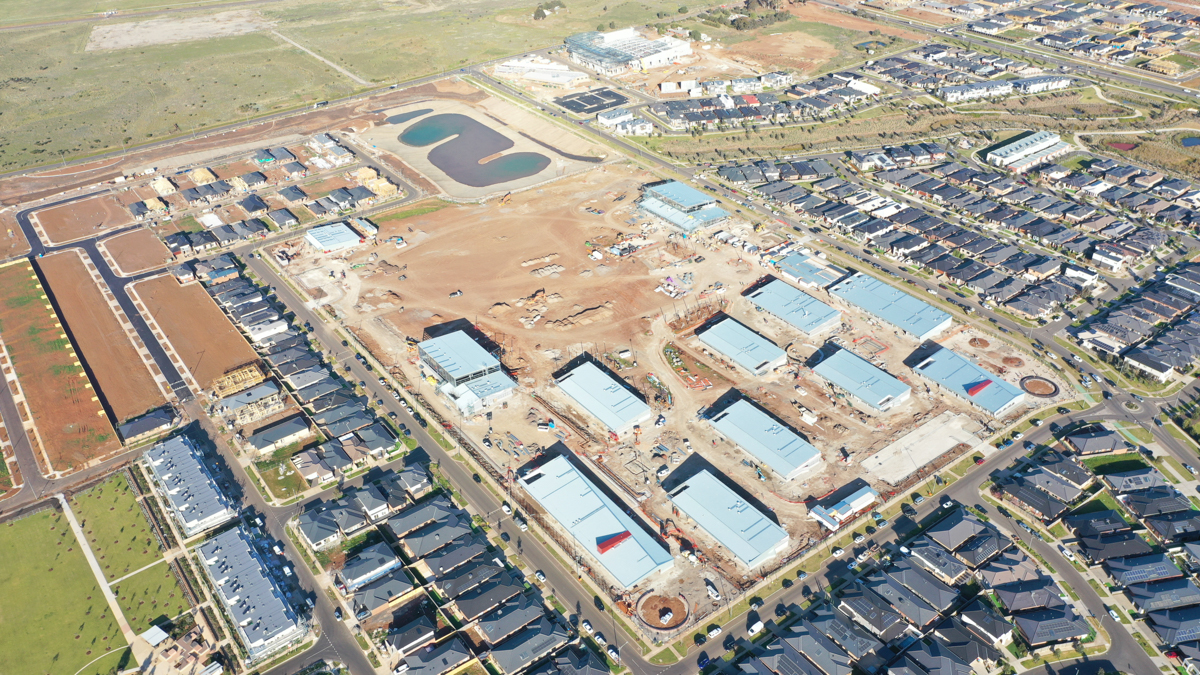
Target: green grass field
{"x":22,"y":12}
{"x":1104,"y":465}
{"x":117,"y":531}
{"x":53,"y":618}
{"x":282,"y":486}
{"x":58,"y":98}
{"x":151,"y":597}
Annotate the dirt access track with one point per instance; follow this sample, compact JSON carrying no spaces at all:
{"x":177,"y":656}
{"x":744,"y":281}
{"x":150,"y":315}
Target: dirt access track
{"x":70,"y":422}
{"x":192,"y":325}
{"x":82,"y":219}
{"x":136,"y":251}
{"x":126,"y":384}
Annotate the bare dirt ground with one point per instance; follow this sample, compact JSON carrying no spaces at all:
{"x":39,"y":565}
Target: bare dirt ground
{"x":195,"y":327}
{"x":818,"y":14}
{"x":12,"y":237}
{"x":786,"y":50}
{"x":125,"y":383}
{"x":702,"y":64}
{"x":137,"y":251}
{"x":59,"y":397}
{"x":170,"y":30}
{"x":79,"y":220}
{"x":652,"y":608}
{"x":935,"y":18}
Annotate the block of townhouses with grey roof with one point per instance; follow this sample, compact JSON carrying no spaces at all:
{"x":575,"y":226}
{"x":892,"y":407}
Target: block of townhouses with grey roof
{"x":534,"y":642}
{"x":182,"y":478}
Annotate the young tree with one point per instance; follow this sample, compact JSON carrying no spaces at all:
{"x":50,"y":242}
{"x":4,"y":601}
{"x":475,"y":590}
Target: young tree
{"x":683,"y":9}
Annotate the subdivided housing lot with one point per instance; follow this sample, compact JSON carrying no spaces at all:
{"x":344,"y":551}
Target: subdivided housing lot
{"x":195,"y":328}
{"x":61,"y":399}
{"x":55,"y":619}
{"x":125,"y":381}
{"x":137,"y":251}
{"x":82,"y":219}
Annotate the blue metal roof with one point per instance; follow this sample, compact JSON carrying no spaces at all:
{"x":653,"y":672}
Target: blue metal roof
{"x":604,"y":397}
{"x":802,"y":268}
{"x":681,"y":196}
{"x":748,"y":349}
{"x":960,"y":375}
{"x":458,"y":354}
{"x":687,"y":221}
{"x":766,"y":440}
{"x":890,"y":304}
{"x":591,"y":518}
{"x":862,"y":379}
{"x":747,"y":532}
{"x":801,"y":310}
{"x":333,"y":237}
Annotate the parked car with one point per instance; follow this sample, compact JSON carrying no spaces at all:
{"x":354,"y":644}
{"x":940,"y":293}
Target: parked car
{"x":540,"y":575}
{"x":1190,"y":469}
{"x":755,"y":628}
{"x":599,"y":638}
{"x":613,"y":653}
{"x":918,"y":499}
{"x":858,"y":537}
{"x":837,"y":552}
{"x":714,"y":631}
{"x":586,"y":626}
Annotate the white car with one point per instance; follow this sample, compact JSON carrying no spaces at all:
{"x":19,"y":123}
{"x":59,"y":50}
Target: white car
{"x":1067,"y":553}
{"x":599,"y":638}
{"x":613,"y":653}
{"x":755,"y":629}
{"x":1075,"y":358}
{"x":837,"y":552}
{"x":1052,"y":356}
{"x":714,"y":631}
{"x":586,"y":626}
{"x":541,"y":576}
{"x":506,"y":509}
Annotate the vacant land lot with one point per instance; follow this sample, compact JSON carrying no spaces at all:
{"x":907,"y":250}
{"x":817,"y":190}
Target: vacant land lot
{"x":151,"y":597}
{"x":18,"y":12}
{"x":117,"y":530}
{"x":169,"y":30}
{"x":53,"y":618}
{"x":1083,"y":103}
{"x":409,"y":40}
{"x":200,"y":333}
{"x":12,"y":238}
{"x":137,"y":251}
{"x":59,"y":98}
{"x":82,"y":219}
{"x":125,"y":381}
{"x":63,"y":402}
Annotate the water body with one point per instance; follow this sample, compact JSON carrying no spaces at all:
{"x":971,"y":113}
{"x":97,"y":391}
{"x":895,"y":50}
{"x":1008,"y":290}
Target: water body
{"x":471,"y":142}
{"x":406,"y":116}
{"x":1190,"y":141}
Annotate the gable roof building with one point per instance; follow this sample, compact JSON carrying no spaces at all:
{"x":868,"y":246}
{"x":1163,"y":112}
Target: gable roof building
{"x":1166,"y":594}
{"x":519,"y":652}
{"x":749,"y":534}
{"x":766,"y":439}
{"x":938,"y":561}
{"x":181,"y":477}
{"x":1142,"y":569}
{"x":923,"y":584}
{"x":872,"y":612}
{"x":601,"y":528}
{"x":604,"y":397}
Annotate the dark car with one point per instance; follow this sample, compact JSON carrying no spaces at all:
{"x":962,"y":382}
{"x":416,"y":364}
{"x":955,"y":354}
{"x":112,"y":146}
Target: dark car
{"x":908,"y":510}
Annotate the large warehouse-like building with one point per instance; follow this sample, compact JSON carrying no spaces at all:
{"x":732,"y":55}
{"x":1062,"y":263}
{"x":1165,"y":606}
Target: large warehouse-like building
{"x":893,"y":306}
{"x":617,"y":51}
{"x":604,"y":397}
{"x":863,"y":380}
{"x":751,"y":536}
{"x":623,"y":548}
{"x":765,"y":439}
{"x":683,"y":206}
{"x":799,"y":309}
{"x":971,"y":381}
{"x":465,"y":372}
{"x":743,"y":346}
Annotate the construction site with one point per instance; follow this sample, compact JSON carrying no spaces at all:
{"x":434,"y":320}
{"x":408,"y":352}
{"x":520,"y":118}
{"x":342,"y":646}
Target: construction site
{"x":599,"y":279}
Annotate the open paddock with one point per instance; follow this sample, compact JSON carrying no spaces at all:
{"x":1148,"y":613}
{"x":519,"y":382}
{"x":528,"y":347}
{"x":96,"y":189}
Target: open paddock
{"x":194,"y":326}
{"x":70,"y":421}
{"x":126,"y":384}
